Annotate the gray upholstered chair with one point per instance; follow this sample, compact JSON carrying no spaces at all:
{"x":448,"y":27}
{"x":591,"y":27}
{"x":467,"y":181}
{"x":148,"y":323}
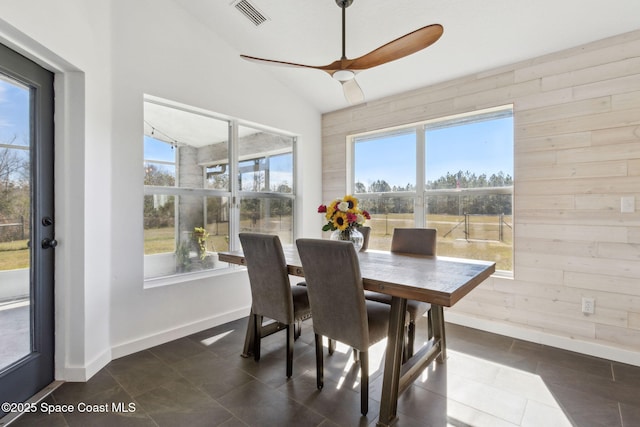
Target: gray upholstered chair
{"x":271,"y":292}
{"x":340,"y":311}
{"x":420,"y":241}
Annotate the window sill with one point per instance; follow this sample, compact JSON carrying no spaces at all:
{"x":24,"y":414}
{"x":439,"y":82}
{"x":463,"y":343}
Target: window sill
{"x":157,"y":282}
{"x":503,"y":274}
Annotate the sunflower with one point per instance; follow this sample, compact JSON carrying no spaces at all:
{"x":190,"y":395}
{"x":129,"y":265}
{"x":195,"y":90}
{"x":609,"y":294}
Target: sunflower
{"x":353,"y":202}
{"x":331,"y":208}
{"x":340,"y":221}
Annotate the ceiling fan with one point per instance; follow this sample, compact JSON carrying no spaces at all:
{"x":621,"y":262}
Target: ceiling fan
{"x":345,"y":69}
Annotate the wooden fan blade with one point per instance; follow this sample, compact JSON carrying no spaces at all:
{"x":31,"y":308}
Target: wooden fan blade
{"x":334,"y":66}
{"x":352,"y":91}
{"x":399,"y":48}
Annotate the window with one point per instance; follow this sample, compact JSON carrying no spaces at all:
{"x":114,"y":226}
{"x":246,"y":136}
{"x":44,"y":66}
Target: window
{"x":453,"y":174}
{"x":265,"y":182}
{"x":192,"y":206}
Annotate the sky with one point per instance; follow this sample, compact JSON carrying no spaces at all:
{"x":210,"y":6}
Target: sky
{"x":14,"y":113}
{"x":481,"y":148}
{"x":158,"y":150}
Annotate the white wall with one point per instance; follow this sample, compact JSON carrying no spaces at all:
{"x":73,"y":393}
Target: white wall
{"x":577,"y":153}
{"x":107,"y":55}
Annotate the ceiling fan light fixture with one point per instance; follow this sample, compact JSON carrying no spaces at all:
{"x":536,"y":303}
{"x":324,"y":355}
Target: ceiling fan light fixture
{"x":344,"y":75}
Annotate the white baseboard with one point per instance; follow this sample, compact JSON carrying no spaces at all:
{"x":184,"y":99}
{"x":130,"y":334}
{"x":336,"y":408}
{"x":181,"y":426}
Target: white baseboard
{"x":144,"y":343}
{"x":83,"y":373}
{"x":565,"y":343}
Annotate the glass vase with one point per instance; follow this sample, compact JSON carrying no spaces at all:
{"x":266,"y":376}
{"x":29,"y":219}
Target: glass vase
{"x":352,"y":235}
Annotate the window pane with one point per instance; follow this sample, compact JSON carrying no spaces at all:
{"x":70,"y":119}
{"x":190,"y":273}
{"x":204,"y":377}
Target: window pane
{"x":217,"y":177}
{"x":194,"y":245}
{"x":268,"y":215}
{"x":469,"y":187}
{"x":385,"y":163}
{"x":387,"y":213}
{"x":159,"y":235}
{"x":217,"y":213}
{"x":476,"y":154}
{"x":266,"y":161}
{"x":476,"y":227}
{"x":191,"y":147}
{"x":187,"y":153}
{"x":160,"y":174}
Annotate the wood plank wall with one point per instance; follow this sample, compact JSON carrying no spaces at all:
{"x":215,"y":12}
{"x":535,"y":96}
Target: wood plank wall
{"x":577,"y":152}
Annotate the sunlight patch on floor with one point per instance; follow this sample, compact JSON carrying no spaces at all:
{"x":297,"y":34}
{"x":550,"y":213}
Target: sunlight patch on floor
{"x":376,"y":358}
{"x":212,"y":340}
{"x":513,"y":395}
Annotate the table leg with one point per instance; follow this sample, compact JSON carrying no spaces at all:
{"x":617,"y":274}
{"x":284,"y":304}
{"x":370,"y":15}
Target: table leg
{"x":438,"y":331}
{"x":393,"y":362}
{"x":247,"y":350}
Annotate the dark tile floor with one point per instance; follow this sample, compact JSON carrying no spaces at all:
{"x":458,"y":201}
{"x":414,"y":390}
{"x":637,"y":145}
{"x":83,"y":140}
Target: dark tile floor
{"x":488,"y":380}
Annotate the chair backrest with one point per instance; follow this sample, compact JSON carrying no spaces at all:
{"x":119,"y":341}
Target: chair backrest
{"x":334,"y":284}
{"x":366,"y":232}
{"x":268,"y":276}
{"x":420,"y":241}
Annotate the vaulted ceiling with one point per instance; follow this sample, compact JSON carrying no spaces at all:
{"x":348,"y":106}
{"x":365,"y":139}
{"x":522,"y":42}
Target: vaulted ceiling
{"x":478,"y":35}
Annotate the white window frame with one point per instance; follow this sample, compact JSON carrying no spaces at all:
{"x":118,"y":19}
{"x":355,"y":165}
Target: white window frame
{"x":234,"y":193}
{"x":421,"y":192}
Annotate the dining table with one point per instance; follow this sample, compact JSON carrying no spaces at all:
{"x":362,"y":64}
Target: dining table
{"x":438,"y":280}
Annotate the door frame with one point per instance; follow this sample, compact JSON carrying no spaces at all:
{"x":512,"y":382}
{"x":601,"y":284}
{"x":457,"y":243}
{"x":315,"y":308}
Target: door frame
{"x":36,"y":370}
{"x":70,"y":359}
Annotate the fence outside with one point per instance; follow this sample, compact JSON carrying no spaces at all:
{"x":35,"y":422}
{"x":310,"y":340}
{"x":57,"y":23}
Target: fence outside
{"x":480,"y":227}
{"x":13,"y":229}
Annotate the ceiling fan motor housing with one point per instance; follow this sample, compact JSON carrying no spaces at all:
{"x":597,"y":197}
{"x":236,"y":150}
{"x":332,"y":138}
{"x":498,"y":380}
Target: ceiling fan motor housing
{"x":344,"y":3}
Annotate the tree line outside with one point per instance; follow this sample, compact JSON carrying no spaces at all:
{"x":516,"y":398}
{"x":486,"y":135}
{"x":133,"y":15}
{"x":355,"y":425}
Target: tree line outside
{"x":15,"y":199}
{"x":469,"y":224}
{"x":444,"y":204}
{"x":261,"y":214}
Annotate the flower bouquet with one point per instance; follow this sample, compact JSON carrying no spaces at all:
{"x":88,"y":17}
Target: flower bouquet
{"x":344,"y":217}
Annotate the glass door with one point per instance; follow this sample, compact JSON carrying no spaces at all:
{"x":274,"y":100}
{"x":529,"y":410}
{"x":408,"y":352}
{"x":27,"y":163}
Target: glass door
{"x":26,"y":228}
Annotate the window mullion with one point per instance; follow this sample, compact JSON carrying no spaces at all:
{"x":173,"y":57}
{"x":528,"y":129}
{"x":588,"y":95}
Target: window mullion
{"x":419,"y":202}
{"x":234,"y":205}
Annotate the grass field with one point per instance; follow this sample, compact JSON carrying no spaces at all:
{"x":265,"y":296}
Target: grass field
{"x":162,"y":240}
{"x":14,"y":255}
{"x":482,"y":243}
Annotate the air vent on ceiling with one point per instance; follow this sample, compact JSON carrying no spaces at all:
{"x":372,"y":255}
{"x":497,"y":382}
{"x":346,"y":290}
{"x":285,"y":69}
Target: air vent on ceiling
{"x":250,"y":11}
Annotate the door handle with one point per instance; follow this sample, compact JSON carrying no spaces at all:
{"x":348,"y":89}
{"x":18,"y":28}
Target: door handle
{"x":49,"y":243}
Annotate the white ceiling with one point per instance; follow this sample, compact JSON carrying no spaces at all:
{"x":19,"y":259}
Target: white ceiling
{"x":478,"y":35}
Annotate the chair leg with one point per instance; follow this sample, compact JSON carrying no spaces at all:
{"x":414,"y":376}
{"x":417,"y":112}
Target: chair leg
{"x":319,"y":363}
{"x":364,"y":382}
{"x":411,"y":338}
{"x":356,"y":356}
{"x":298,"y":329}
{"x":290,"y":339}
{"x":429,"y":324}
{"x":257,"y":336}
{"x":405,"y":345}
{"x":332,"y":346}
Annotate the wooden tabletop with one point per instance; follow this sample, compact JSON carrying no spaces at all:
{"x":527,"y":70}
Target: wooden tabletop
{"x":434,"y":279}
